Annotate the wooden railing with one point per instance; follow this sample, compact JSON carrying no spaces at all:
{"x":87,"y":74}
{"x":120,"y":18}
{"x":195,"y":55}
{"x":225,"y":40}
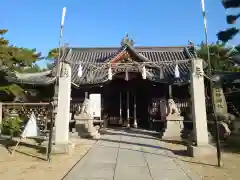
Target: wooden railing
{"x":42,"y":111}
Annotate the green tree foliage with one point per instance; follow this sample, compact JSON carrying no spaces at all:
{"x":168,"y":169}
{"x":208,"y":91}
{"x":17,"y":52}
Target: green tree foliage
{"x":15,"y":58}
{"x":11,"y":126}
{"x":12,"y":59}
{"x":230,"y":33}
{"x":52,"y":56}
{"x":227,"y":35}
{"x":220,"y":56}
{"x":231,"y":4}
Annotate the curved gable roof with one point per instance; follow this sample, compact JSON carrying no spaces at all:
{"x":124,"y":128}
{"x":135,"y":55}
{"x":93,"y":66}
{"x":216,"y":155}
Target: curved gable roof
{"x":158,"y":55}
{"x":89,"y":57}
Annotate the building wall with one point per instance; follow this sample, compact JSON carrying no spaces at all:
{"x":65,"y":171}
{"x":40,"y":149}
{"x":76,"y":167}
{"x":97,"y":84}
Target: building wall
{"x":144,"y":91}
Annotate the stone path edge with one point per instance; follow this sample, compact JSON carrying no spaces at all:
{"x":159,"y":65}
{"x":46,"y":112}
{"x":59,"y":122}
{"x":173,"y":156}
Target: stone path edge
{"x":190,"y":174}
{"x":88,"y":151}
{"x":170,"y":154}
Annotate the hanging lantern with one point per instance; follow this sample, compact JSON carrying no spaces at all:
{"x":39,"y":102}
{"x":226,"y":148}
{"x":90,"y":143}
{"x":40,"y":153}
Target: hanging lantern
{"x":126,"y":76}
{"x":80,"y":71}
{"x":144,"y":74}
{"x":177,"y":74}
{"x":110,"y":73}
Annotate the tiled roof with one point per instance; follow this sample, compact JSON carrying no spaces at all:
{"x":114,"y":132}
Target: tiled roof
{"x":166,"y":56}
{"x":42,"y":78}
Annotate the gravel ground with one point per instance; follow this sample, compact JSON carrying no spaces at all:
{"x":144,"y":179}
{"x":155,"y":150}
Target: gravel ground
{"x":26,"y":163}
{"x":206,"y":167}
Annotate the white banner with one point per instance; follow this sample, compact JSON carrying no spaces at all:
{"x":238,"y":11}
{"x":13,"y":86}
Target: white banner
{"x":95,"y":105}
{"x":31,"y":128}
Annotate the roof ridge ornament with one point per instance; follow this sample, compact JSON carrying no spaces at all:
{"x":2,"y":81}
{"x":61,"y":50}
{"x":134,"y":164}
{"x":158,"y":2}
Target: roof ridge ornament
{"x":127,"y":41}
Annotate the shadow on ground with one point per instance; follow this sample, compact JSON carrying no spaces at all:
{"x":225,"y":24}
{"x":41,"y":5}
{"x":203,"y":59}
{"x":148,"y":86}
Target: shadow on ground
{"x":150,"y":135}
{"x":9,"y":144}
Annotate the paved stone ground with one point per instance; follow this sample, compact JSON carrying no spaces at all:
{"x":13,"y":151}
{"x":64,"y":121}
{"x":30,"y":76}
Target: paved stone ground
{"x":127,"y":155}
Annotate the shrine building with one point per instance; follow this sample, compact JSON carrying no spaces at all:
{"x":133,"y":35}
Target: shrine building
{"x":135,"y":83}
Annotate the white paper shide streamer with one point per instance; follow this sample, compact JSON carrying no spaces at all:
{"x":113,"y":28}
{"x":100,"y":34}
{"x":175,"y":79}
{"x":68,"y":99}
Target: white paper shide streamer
{"x":110,"y":73}
{"x":161,"y":74}
{"x":80,"y":70}
{"x":144,"y":74}
{"x":126,"y":76}
{"x":177,"y":73}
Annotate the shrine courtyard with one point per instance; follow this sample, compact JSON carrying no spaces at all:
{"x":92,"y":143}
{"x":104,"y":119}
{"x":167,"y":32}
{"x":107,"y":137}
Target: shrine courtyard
{"x":119,"y":154}
{"x":130,"y":154}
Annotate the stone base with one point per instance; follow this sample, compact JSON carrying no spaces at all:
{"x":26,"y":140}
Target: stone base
{"x":174,"y":127}
{"x":200,"y":151}
{"x":97,"y":136}
{"x":60,"y":148}
{"x":135,"y":124}
{"x":120,"y":122}
{"x":63,"y":148}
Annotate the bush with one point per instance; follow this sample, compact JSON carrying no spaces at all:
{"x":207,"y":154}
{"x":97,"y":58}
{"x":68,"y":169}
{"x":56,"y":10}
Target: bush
{"x":11,"y":126}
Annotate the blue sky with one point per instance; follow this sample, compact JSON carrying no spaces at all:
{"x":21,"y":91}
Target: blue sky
{"x":92,"y":23}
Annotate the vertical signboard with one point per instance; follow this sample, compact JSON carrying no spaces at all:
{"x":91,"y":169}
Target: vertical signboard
{"x":219,"y":99}
{"x":95,"y":105}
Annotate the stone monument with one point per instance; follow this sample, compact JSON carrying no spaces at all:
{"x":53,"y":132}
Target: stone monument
{"x":174,"y":121}
{"x":62,"y":144}
{"x":200,"y":130}
{"x":84,"y":122}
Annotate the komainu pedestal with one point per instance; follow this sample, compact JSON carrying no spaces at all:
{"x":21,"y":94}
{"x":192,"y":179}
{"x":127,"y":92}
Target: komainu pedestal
{"x":174,"y":127}
{"x":174,"y":121}
{"x":84,"y":123}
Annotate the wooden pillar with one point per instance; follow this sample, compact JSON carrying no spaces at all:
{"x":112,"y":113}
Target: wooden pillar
{"x":120,"y":109}
{"x":135,"y":113}
{"x":128,"y":114}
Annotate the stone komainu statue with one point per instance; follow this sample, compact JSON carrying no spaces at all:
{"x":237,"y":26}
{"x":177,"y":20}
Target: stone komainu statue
{"x":172,"y":108}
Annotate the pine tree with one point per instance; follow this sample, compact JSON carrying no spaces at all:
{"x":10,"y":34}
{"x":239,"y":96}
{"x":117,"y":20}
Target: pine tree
{"x":13,"y":58}
{"x":230,"y":33}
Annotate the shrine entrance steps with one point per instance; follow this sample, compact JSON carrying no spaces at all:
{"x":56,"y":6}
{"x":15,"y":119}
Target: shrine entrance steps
{"x":122,"y":154}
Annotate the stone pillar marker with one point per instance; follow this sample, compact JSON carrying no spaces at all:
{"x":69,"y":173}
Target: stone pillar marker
{"x":63,"y":111}
{"x":198,"y":105}
{"x":199,"y":116}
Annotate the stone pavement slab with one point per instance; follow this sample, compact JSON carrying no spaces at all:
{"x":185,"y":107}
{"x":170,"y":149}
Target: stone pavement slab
{"x":128,"y":155}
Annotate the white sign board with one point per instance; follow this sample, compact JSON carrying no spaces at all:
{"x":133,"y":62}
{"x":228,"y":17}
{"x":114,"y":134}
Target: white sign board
{"x":95,"y":105}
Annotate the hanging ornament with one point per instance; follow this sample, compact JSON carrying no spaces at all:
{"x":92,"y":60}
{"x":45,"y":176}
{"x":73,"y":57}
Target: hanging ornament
{"x":177,"y":74}
{"x":126,"y":76}
{"x":144,"y":74}
{"x":80,"y":71}
{"x":110,"y":73}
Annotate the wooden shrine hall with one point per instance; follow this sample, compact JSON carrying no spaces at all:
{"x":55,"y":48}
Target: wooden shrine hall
{"x":134,"y":82}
